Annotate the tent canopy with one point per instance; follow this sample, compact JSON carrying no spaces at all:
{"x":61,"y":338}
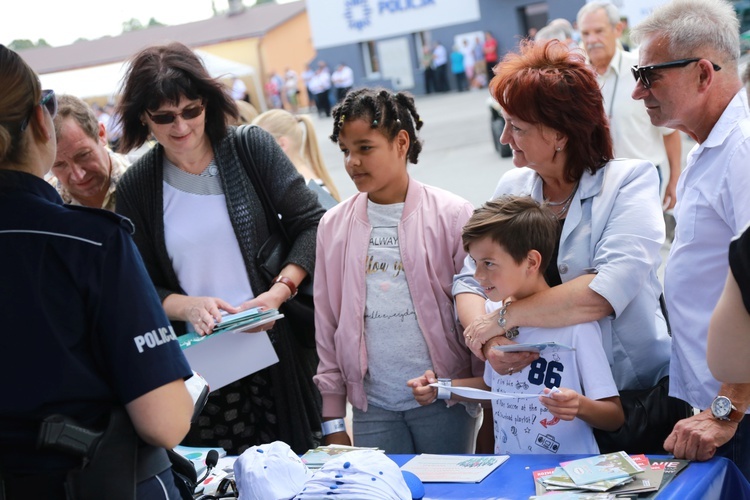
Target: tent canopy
{"x":104,"y":80}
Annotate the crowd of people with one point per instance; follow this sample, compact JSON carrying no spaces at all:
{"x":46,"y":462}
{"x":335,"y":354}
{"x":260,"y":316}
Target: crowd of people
{"x":470,"y":60}
{"x":416,"y":292}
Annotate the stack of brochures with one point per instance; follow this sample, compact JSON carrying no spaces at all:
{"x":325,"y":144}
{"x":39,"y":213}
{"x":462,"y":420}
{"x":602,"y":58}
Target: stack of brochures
{"x":240,"y":322}
{"x":315,"y":458}
{"x":610,"y":475}
{"x":247,"y":320}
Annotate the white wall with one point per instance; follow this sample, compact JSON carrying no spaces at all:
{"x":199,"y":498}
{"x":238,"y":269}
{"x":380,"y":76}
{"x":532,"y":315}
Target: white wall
{"x":636,"y":10}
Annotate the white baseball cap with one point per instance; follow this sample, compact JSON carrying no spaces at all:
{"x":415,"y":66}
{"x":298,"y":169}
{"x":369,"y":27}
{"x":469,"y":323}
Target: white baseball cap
{"x":361,"y":474}
{"x":270,"y":472}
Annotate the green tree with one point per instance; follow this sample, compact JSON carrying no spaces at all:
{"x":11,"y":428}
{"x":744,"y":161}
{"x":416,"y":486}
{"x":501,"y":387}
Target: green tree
{"x":153,"y":23}
{"x":131,"y":25}
{"x":24,"y":44}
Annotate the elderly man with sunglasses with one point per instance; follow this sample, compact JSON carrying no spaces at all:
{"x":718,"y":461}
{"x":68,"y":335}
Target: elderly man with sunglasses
{"x":687,"y":78}
{"x":633,"y":134}
{"x":86,"y":171}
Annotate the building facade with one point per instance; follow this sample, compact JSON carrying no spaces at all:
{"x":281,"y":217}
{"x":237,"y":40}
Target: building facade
{"x":383,"y":40}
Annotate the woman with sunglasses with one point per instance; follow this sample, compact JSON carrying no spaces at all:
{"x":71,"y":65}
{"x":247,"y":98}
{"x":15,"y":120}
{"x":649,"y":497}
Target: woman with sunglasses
{"x":76,"y":300}
{"x":199,"y":224}
{"x":611,"y":227}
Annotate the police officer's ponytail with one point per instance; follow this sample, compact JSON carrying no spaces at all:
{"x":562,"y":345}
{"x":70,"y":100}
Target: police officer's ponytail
{"x":21,"y":92}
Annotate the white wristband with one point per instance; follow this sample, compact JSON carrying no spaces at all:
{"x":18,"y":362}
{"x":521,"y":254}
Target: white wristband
{"x":443,"y":389}
{"x":333,"y":426}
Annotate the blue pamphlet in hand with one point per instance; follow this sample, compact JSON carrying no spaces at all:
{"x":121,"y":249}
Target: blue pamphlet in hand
{"x":538,"y":347}
{"x":246,"y":320}
{"x":240,"y":322}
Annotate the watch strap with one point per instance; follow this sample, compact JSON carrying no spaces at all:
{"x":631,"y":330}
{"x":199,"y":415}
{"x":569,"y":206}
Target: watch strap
{"x":289,"y":283}
{"x":735,"y":415}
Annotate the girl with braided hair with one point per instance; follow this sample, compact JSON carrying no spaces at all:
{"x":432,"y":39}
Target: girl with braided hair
{"x":384,"y":268}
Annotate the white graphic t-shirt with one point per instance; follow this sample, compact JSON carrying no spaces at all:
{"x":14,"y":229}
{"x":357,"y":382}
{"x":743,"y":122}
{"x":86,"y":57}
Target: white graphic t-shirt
{"x":396,"y":348}
{"x":527,"y":426}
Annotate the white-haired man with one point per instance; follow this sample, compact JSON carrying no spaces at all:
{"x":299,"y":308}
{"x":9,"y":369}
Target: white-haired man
{"x":687,"y":78}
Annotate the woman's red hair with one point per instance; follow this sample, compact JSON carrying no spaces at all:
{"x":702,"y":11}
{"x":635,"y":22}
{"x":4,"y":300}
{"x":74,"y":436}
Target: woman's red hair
{"x":547,"y":83}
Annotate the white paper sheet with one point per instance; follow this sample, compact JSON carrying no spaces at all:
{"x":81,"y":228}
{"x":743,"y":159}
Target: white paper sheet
{"x":533,"y":347}
{"x":225,"y":357}
{"x":470,"y":392}
{"x":453,"y":468}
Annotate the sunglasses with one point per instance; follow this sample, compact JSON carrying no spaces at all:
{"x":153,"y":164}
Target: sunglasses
{"x":643,"y":73}
{"x":49,"y":101}
{"x":188,"y":113}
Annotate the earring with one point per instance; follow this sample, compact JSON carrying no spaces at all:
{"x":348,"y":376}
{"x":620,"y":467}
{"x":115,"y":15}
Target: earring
{"x":559,"y":149}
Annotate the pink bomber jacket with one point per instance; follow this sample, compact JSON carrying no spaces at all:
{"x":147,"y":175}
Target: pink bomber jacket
{"x":432,"y":253}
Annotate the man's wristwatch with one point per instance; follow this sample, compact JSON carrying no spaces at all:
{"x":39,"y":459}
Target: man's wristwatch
{"x":723,"y":409}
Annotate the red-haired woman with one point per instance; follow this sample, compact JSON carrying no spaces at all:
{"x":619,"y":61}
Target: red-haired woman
{"x":611,"y":223}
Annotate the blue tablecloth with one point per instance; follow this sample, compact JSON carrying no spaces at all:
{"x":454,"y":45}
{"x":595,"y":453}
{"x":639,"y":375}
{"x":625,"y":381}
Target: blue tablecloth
{"x":718,"y":478}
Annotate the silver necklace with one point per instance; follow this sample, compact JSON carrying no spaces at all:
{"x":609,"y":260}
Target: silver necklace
{"x":565,"y":203}
{"x":566,"y":200}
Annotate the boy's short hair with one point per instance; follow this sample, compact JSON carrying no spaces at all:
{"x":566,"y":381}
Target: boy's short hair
{"x":518,"y":224}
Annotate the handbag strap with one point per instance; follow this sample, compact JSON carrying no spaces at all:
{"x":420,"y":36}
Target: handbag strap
{"x":272,"y":215}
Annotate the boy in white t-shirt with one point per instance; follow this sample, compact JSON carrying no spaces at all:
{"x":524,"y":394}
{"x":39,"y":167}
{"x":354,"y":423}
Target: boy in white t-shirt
{"x":512,"y":239}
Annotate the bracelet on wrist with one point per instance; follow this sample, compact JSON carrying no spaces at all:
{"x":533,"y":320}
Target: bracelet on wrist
{"x":443,"y":391}
{"x":289,"y":284}
{"x":333,"y":426}
{"x":510,"y":333}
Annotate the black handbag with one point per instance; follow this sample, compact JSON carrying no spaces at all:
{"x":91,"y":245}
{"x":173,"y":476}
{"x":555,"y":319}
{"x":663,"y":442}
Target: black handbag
{"x":650,"y":416}
{"x":300,"y":311}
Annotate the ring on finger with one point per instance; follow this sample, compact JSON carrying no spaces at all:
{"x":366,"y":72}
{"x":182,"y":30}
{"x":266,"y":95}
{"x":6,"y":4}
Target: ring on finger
{"x":510,"y":371}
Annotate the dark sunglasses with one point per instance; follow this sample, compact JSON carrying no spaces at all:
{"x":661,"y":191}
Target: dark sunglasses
{"x":49,"y":101}
{"x":187,"y":114}
{"x":643,"y":73}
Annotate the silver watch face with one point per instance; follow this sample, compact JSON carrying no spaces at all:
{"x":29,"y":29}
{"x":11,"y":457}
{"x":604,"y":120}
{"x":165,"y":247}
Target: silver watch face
{"x":721,"y":407}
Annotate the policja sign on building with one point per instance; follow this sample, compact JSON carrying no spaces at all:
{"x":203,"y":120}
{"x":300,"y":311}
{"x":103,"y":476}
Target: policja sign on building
{"x":341,"y":22}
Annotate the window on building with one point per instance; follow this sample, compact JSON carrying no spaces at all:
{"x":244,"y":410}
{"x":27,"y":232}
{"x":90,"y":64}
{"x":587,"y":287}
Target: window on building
{"x":370,"y":57}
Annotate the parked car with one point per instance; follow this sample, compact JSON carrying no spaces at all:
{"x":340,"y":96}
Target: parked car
{"x":497,"y":123}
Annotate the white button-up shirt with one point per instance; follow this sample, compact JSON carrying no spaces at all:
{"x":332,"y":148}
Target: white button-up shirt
{"x":713,"y":206}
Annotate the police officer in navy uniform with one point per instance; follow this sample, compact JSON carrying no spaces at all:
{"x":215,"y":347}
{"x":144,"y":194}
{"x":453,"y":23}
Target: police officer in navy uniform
{"x":84,"y":332}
